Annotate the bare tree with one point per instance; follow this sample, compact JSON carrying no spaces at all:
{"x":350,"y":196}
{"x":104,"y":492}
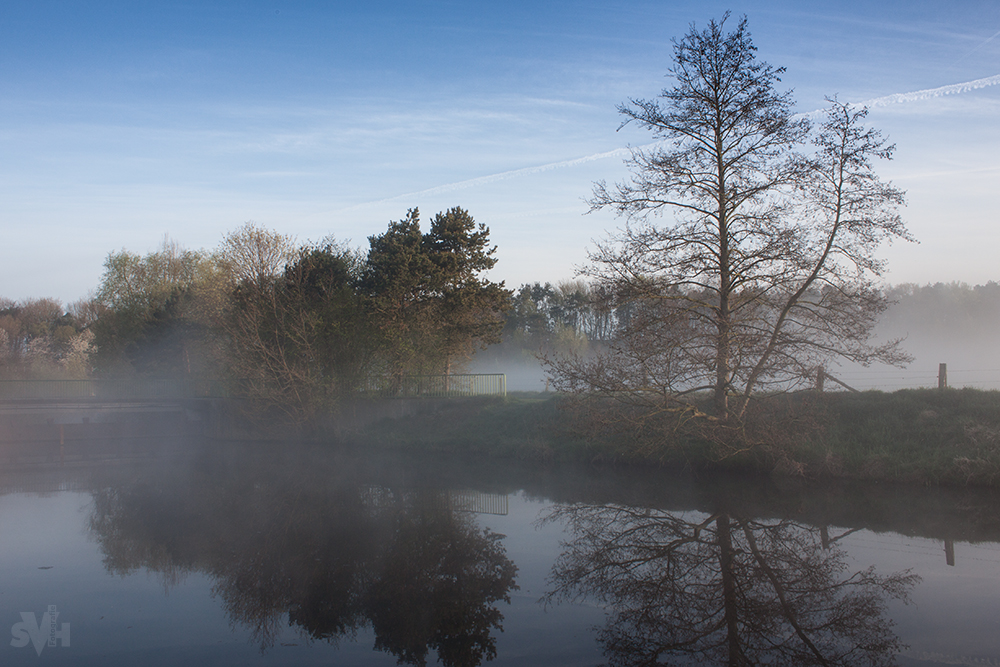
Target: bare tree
{"x":254,"y":255}
{"x":766,"y":268}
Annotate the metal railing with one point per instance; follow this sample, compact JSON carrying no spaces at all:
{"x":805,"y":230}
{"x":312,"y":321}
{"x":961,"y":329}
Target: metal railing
{"x":478,"y":502}
{"x":475,"y":502}
{"x":437,"y":386}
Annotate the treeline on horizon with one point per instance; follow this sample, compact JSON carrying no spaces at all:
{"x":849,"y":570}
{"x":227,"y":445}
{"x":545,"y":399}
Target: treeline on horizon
{"x":296,"y":326}
{"x":301,"y":325}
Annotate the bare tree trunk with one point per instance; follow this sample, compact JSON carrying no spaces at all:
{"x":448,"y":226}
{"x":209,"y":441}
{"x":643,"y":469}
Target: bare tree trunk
{"x":721,"y":398}
{"x":728,"y":589}
{"x":723,"y":316}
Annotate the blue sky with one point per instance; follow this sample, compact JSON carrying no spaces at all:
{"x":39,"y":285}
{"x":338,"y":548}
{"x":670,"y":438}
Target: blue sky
{"x":124,"y":121}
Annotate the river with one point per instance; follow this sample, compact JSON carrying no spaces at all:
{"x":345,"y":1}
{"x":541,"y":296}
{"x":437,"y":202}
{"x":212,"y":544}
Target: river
{"x":240,"y":553}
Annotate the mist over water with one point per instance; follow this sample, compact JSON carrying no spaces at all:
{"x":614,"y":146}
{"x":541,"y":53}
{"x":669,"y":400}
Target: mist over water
{"x":244,"y":553}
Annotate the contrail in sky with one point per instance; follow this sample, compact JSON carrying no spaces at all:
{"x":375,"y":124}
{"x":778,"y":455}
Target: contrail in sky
{"x":981,"y":45}
{"x":887,"y":100}
{"x":502,"y":176}
{"x":918,"y":95}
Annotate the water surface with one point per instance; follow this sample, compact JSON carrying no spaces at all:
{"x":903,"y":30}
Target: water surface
{"x":242,"y":553}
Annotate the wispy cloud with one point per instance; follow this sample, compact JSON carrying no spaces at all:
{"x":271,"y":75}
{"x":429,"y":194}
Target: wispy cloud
{"x":887,"y":100}
{"x":944,"y":173}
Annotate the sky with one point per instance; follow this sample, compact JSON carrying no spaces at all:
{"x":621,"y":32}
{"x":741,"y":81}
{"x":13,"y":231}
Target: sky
{"x":122,"y":122}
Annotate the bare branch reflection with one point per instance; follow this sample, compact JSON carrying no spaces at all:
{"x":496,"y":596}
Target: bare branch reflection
{"x":722,"y":589}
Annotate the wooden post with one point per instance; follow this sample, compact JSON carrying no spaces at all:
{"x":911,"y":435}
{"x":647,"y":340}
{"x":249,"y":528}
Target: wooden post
{"x":820,"y":376}
{"x":949,"y":552}
{"x":942,"y":376}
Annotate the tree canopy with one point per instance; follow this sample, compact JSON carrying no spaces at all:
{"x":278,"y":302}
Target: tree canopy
{"x":299,"y":326}
{"x":431,"y":307}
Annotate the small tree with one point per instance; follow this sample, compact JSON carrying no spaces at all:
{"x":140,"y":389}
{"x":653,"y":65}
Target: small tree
{"x":292,"y":318}
{"x":766,"y":268}
{"x":144,"y":313}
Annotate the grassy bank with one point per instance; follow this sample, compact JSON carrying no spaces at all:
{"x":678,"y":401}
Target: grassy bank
{"x":925,"y":436}
{"x":530,"y":426}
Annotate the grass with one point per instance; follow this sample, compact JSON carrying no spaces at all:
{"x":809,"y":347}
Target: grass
{"x":926,"y":436}
{"x":521,"y":426}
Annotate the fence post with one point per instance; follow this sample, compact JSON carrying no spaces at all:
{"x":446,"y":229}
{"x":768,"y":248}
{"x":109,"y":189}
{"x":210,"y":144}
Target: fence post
{"x":942,"y":376}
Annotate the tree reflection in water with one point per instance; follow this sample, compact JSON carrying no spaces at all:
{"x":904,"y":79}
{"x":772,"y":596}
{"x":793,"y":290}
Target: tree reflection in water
{"x":723,"y":590}
{"x":335,"y":556}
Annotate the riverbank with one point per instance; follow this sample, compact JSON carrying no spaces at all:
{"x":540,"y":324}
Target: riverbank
{"x":949,"y":436}
{"x":924,"y":436}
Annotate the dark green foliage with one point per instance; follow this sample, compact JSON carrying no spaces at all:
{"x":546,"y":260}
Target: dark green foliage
{"x":160,"y":347}
{"x":540,"y":312}
{"x":397,"y":283}
{"x":298,"y":341}
{"x":430,"y":306}
{"x":297,"y":329}
{"x":323,"y":284}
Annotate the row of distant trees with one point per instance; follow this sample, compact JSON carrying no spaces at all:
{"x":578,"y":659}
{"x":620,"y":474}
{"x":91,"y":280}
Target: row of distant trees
{"x":40,"y":338}
{"x":172,"y":312}
{"x":577,"y":316}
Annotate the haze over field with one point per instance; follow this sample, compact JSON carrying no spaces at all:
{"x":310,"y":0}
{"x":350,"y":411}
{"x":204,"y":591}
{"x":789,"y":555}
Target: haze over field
{"x":125,"y":121}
